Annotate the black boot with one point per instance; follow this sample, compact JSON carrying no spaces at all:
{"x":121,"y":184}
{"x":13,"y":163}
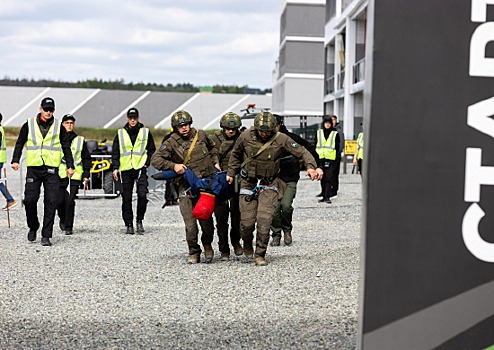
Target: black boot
{"x":130,"y":230}
{"x":139,"y":227}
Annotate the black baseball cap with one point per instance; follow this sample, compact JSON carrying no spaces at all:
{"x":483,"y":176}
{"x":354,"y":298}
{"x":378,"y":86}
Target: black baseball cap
{"x":68,"y":117}
{"x":133,"y":113}
{"x":48,"y":102}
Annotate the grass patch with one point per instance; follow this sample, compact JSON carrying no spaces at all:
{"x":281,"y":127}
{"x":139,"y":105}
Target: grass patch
{"x":99,"y":134}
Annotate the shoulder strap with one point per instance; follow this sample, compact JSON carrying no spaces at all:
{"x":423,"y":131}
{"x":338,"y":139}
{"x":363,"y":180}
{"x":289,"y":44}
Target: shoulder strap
{"x":191,"y":147}
{"x":266,"y":145}
{"x":223,"y":155}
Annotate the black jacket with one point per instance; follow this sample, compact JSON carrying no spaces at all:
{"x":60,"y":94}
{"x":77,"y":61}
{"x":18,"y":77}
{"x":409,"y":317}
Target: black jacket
{"x":44,"y":127}
{"x":289,"y":165}
{"x":150,"y":147}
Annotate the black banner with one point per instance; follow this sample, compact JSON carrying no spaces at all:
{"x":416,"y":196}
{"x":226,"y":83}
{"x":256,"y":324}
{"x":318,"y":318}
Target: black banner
{"x":428,"y":267}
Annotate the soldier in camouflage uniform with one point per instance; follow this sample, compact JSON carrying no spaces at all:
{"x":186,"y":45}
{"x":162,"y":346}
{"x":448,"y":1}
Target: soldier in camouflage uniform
{"x":203,"y":159}
{"x":225,"y":140}
{"x":256,"y":156}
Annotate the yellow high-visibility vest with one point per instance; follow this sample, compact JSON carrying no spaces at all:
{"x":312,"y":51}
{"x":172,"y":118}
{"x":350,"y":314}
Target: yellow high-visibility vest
{"x":43,"y":151}
{"x":133,"y":156}
{"x":3,"y":147}
{"x":360,"y":146}
{"x":76,"y":148}
{"x":326,"y":149}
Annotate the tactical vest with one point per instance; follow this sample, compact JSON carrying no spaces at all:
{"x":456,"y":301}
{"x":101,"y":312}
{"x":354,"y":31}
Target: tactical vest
{"x":223,"y":144}
{"x":76,"y":149}
{"x":43,"y":151}
{"x":267,"y":163}
{"x":326,"y":149}
{"x":360,"y":146}
{"x":133,"y":156}
{"x":3,"y":147}
{"x":200,"y":161}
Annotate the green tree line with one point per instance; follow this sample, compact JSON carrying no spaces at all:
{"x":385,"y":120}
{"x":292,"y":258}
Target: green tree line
{"x":120,"y":84}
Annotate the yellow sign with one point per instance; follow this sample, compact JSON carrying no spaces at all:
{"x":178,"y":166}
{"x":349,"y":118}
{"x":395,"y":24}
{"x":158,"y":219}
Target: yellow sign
{"x":350,"y":146}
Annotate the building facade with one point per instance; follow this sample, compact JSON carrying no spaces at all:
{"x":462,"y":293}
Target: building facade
{"x":344,"y":57}
{"x":298,"y":78}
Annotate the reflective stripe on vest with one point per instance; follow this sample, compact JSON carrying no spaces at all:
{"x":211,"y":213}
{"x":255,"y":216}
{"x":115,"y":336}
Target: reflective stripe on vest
{"x":76,"y":148}
{"x":43,"y":151}
{"x":133,"y":156}
{"x":360,"y":146}
{"x":3,"y":147}
{"x":326,"y":149}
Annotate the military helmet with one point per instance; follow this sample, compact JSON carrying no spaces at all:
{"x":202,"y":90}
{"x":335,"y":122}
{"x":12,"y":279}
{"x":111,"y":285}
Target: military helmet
{"x":265,"y":121}
{"x":230,"y":120}
{"x":180,"y":118}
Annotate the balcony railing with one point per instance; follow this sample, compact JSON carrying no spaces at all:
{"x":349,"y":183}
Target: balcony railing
{"x":358,"y":71}
{"x":344,"y":4}
{"x":341,"y":80}
{"x":330,"y":85}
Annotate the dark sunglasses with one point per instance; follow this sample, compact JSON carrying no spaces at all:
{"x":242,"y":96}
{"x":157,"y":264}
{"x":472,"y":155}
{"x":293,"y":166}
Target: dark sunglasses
{"x":230,"y":128}
{"x":49,"y":109}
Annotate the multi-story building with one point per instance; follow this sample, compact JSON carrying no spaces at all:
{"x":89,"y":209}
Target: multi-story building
{"x":344,"y":56}
{"x":298,"y":78}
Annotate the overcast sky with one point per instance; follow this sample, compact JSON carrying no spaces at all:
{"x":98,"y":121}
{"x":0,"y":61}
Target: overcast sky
{"x":202,"y":42}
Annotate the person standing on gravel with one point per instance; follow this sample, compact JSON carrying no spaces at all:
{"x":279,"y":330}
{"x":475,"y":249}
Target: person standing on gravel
{"x":11,"y":202}
{"x":359,"y":153}
{"x":256,"y":156}
{"x":132,"y":149}
{"x":327,"y":147}
{"x":290,"y":174}
{"x":337,"y":127}
{"x":70,"y":186}
{"x":225,"y":140}
{"x":189,"y":148}
{"x":47,"y":142}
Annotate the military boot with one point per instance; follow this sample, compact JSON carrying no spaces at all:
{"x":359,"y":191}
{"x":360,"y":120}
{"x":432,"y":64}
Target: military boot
{"x":287,"y":236}
{"x":139,"y":227}
{"x":275,"y":242}
{"x":225,"y":256}
{"x":248,"y":250}
{"x":130,"y":230}
{"x":237,"y":249}
{"x":208,"y":253}
{"x":260,"y":261}
{"x":194,"y":258}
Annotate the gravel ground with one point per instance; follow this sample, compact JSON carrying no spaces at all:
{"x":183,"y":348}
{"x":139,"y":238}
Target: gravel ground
{"x":103,"y":289}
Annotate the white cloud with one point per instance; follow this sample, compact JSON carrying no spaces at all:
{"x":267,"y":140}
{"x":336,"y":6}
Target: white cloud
{"x":164,"y":41}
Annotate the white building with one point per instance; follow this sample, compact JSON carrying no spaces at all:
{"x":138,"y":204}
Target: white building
{"x":344,"y":53}
{"x":298,"y":78}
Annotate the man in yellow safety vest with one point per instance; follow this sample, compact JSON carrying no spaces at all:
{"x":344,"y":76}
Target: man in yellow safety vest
{"x":131,"y":154}
{"x":70,"y":186}
{"x":47,"y":142}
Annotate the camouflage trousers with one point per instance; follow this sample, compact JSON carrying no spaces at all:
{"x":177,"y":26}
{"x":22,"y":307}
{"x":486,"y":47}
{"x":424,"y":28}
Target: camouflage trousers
{"x":257,"y":214}
{"x":191,"y":229}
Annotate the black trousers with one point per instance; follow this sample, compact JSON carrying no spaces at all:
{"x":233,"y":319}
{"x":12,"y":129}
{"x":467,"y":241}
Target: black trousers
{"x":66,"y":202}
{"x":222,"y":211}
{"x":329,"y":180}
{"x":35,"y":177}
{"x":129,"y":177}
{"x":359,"y":161}
{"x":337,"y":178}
